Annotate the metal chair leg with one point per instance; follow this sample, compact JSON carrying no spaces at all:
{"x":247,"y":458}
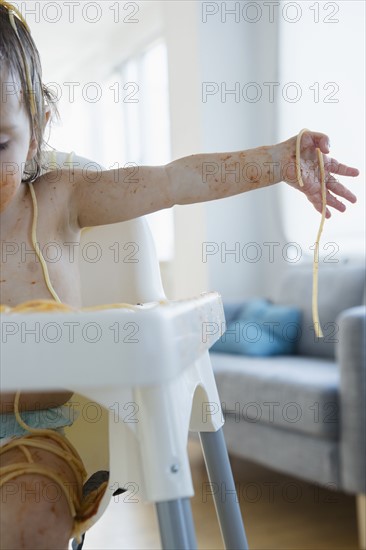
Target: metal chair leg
{"x":176,"y":525}
{"x":189,"y":523}
{"x":219,"y":473}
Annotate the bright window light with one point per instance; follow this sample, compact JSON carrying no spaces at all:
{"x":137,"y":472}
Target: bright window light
{"x":322,"y":57}
{"x":128,"y":124}
{"x":147,"y":128}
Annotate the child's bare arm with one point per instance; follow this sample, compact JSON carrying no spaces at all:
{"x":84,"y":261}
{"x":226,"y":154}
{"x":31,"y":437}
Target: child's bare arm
{"x":118,"y":195}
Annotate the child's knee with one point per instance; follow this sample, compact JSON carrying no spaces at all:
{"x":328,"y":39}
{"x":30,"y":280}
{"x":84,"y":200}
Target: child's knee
{"x":34,"y":514}
{"x":36,"y":509}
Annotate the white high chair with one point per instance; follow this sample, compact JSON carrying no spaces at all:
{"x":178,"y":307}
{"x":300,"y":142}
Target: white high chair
{"x":153,"y":360}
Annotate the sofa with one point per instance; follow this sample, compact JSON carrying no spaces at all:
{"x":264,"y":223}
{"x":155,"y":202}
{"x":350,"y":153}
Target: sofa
{"x":303,"y":412}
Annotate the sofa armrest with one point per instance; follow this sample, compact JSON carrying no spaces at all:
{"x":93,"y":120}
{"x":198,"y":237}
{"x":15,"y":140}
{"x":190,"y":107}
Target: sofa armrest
{"x":350,"y":352}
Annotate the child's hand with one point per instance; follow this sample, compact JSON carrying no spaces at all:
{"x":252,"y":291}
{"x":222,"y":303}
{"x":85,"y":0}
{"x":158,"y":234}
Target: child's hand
{"x":310,"y":172}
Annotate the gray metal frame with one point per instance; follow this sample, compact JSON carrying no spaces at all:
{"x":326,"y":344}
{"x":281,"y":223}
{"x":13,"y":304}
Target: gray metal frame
{"x":175,"y":516}
{"x":219,"y":472}
{"x":176,"y":525}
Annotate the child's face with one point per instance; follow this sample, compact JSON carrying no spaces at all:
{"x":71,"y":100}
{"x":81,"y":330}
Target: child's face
{"x":16,"y":142}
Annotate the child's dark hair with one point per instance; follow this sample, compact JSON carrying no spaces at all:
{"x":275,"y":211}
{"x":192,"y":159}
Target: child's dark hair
{"x":19,"y":54}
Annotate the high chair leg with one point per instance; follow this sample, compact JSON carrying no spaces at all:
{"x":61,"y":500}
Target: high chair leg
{"x":176,"y":525}
{"x":189,"y":523}
{"x":223,"y":489}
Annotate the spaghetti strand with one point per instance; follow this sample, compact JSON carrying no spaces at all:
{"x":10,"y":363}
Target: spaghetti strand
{"x":315,"y":313}
{"x":36,"y":246}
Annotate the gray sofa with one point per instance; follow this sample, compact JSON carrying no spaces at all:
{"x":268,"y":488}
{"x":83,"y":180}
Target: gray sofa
{"x":304,"y":414}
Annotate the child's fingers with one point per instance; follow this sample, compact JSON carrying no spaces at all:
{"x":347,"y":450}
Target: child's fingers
{"x":339,"y":189}
{"x":335,"y":203}
{"x":332,"y":165}
{"x":318,"y":140}
{"x":319,"y":208}
{"x":331,"y":201}
{"x":324,"y":144}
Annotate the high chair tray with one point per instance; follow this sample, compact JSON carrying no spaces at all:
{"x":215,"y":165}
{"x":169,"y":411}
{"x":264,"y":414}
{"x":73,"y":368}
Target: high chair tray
{"x":112,"y":347}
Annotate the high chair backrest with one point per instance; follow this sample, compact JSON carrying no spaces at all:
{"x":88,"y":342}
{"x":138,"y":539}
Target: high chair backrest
{"x":118,"y":263}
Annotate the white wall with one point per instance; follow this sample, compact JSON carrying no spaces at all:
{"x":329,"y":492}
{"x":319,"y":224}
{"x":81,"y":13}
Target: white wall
{"x":243,"y":52}
{"x":226,"y":53}
{"x":188,"y":273}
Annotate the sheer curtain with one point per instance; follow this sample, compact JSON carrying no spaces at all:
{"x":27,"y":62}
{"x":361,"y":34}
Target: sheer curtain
{"x":124,"y":120}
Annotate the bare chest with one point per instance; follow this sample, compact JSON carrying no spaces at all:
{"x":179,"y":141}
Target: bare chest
{"x":22,"y":275}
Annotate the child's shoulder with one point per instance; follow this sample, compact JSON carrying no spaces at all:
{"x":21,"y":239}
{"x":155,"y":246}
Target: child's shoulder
{"x":59,"y":180}
{"x":57,"y":160}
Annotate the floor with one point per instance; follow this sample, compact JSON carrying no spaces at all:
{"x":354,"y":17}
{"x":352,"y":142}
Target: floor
{"x":280,"y":513}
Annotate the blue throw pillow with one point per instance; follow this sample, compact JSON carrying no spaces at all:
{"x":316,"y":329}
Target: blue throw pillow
{"x":261,"y":329}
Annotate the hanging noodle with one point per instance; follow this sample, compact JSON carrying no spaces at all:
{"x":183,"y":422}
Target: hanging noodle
{"x":36,"y":247}
{"x":42,"y":306}
{"x":317,"y":327}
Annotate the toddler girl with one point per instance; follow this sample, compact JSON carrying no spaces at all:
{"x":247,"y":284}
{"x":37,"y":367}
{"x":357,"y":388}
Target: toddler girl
{"x":66,"y":205}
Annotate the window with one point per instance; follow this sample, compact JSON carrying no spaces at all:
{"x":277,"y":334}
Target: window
{"x":138,"y":130}
{"x":125,"y":119}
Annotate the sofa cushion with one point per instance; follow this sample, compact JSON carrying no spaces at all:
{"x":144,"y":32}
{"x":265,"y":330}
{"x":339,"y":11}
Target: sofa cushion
{"x":260,"y":328}
{"x":341,"y":286}
{"x":290,"y":392}
{"x":232,"y":309}
{"x":297,"y":454}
